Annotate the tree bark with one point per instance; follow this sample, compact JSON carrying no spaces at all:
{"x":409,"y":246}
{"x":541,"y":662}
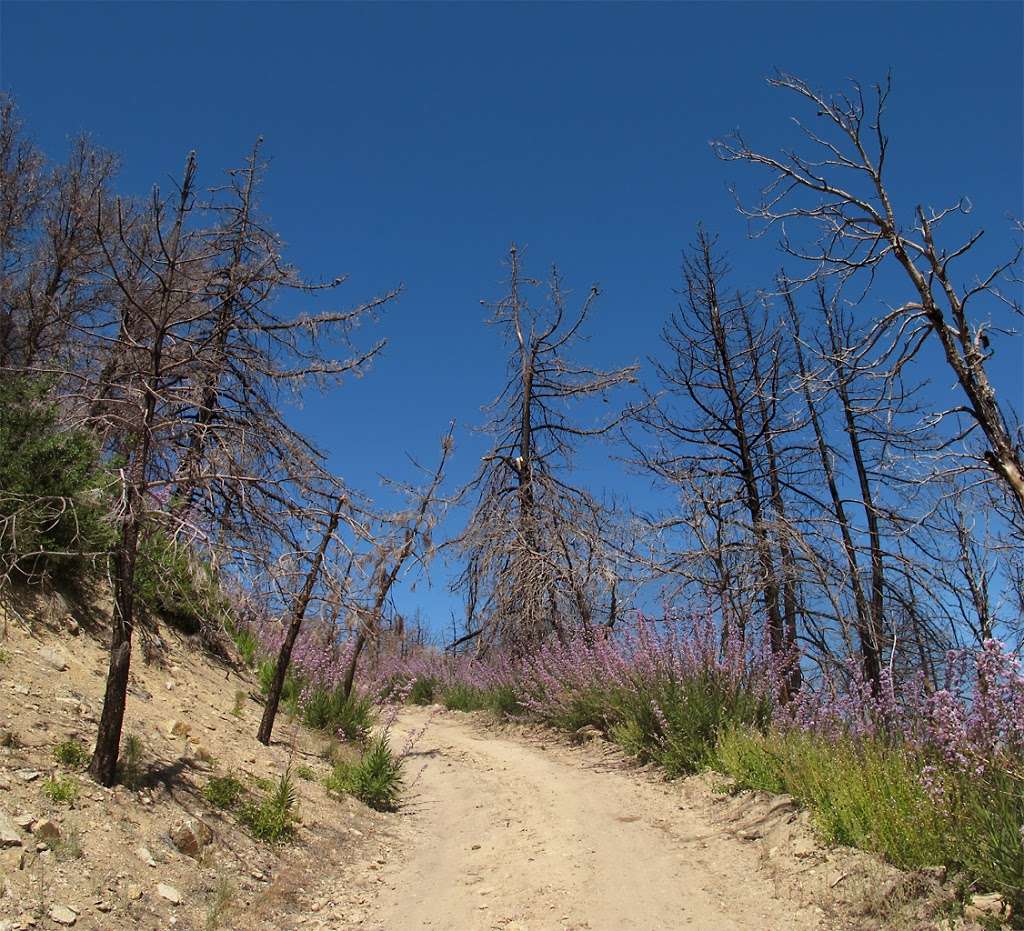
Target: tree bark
{"x":298,"y":614}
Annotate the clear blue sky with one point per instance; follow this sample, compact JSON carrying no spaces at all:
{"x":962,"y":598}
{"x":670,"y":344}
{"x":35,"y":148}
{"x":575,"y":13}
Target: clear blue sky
{"x":412,"y":143}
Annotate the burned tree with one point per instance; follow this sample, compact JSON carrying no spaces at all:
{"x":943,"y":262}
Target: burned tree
{"x":715,"y":435}
{"x":841,"y":190}
{"x":406,"y":536}
{"x":529,"y":515}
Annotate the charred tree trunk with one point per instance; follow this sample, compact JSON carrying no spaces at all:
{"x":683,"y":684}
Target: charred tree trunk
{"x":297,"y":615}
{"x":870,"y":658}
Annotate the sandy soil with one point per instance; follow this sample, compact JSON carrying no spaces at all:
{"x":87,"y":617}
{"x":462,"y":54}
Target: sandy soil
{"x":516,"y":834}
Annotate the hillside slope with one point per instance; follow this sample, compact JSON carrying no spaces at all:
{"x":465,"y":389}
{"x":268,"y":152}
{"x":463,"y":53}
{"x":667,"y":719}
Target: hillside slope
{"x":140,"y":857}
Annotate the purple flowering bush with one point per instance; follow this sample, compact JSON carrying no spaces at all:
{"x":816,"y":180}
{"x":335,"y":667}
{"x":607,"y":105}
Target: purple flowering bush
{"x":918,"y":774}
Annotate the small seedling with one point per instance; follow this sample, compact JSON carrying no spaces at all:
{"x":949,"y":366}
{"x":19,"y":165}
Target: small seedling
{"x":130,"y":764}
{"x":223,"y":895}
{"x":272,"y":819}
{"x":61,"y":789}
{"x":71,"y":753}
{"x":69,"y":847}
{"x":240,"y":697}
{"x":305,"y":772}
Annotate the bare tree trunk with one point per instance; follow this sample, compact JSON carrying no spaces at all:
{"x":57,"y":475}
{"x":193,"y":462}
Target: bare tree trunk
{"x":298,"y":613}
{"x":876,"y":614}
{"x":868,"y":643}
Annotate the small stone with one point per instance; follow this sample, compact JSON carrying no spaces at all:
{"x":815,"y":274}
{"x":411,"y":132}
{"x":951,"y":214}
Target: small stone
{"x":103,"y":906}
{"x":28,"y":775}
{"x":46,"y":830}
{"x":177,"y":728}
{"x":54,"y":658}
{"x":25,"y":822}
{"x":168,"y":892}
{"x":169,"y":685}
{"x":71,"y":626}
{"x":986,"y":908}
{"x":198,"y":752}
{"x":133,"y":891}
{"x":9,"y":836}
{"x":63,"y":915}
{"x":12,"y":860}
{"x":145,"y":856}
{"x":191,"y":836}
{"x":21,"y":689}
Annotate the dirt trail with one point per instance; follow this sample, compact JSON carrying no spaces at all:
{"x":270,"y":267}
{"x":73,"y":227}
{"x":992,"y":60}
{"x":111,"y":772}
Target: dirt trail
{"x":522,"y":835}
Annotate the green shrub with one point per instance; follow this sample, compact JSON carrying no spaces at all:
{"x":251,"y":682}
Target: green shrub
{"x":503,"y":700}
{"x":43,"y":467}
{"x":329,"y":710}
{"x":61,"y":789}
{"x":71,"y":753}
{"x":273,"y":818}
{"x":291,"y":690}
{"x":172,"y":583}
{"x":305,"y":772}
{"x":376,"y":780}
{"x":423,"y":691}
{"x":459,"y":697}
{"x":247,"y":644}
{"x":864,"y":794}
{"x":223,"y":791}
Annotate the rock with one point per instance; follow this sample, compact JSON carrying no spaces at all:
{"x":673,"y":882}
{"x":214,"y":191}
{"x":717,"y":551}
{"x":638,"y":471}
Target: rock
{"x":46,"y":830}
{"x":71,"y":625}
{"x":63,"y":915}
{"x":9,"y":836}
{"x":191,"y":836}
{"x":145,"y":856}
{"x":25,"y":822}
{"x":54,"y":658}
{"x":168,"y":892}
{"x":12,"y":860}
{"x":177,"y":728}
{"x":198,"y":752}
{"x":589,"y":732}
{"x":28,"y":775}
{"x":986,"y":908}
{"x":133,"y":891}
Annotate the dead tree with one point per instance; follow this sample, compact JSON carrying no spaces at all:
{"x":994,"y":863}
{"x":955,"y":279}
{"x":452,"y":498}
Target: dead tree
{"x":409,"y":538}
{"x":714,"y":435}
{"x":140,"y":404}
{"x":840,"y":190}
{"x":297,"y":614}
{"x":526,"y":501}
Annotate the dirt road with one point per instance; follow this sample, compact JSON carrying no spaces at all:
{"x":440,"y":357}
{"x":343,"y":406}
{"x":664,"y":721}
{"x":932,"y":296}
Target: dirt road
{"x":527,"y":835}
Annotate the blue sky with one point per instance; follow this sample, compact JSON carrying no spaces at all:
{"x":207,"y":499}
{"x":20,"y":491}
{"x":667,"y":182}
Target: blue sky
{"x":412,"y":143}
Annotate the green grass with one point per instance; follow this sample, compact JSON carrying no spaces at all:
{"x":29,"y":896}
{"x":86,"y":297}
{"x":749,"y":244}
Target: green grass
{"x":246,"y":643}
{"x":61,"y":789}
{"x":870,"y":795}
{"x":305,"y":772}
{"x":223,"y":791}
{"x":330,"y":711}
{"x":424,"y":691}
{"x":71,"y":753}
{"x":290,"y":691}
{"x":376,"y":779}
